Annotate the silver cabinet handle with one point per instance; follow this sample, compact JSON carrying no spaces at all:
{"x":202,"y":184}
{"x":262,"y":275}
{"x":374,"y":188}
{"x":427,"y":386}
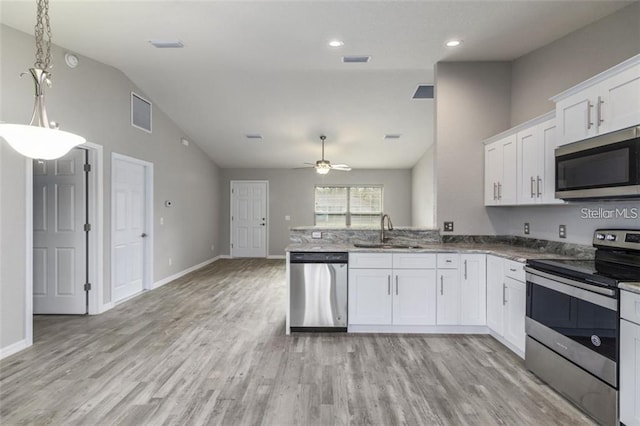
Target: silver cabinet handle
{"x":448,"y":261}
{"x":441,"y":285}
{"x":389,"y":285}
{"x":600,"y":103}
{"x":533,"y":192}
{"x":143,"y":235}
{"x":589,"y":108}
{"x":465,"y":269}
{"x":495,"y":185}
{"x":504,"y":294}
{"x":513,"y":269}
{"x":499,"y":191}
{"x":396,"y":285}
{"x":539,"y":185}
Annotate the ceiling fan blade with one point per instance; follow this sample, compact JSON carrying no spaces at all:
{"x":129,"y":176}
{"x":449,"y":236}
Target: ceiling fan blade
{"x":341,"y":167}
{"x":310,"y":164}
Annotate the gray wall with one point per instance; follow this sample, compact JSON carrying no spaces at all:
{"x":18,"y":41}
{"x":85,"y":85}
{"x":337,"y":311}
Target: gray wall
{"x":576,"y":57}
{"x":423,"y":200}
{"x":472,"y":103}
{"x":291,"y":192}
{"x":551,"y":70}
{"x":93,"y":100}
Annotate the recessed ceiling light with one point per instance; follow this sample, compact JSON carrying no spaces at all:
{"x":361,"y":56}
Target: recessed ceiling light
{"x":336,"y":43}
{"x":167,"y":44}
{"x":454,"y":43}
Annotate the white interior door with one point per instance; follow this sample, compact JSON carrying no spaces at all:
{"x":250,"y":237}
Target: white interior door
{"x":249,"y":218}
{"x":59,"y":244}
{"x":128,"y":214}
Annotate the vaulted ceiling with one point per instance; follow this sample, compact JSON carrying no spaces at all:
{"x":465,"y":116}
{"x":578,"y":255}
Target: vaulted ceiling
{"x":265,"y":67}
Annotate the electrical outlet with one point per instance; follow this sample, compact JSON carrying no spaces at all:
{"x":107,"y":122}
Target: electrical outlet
{"x":162,"y":221}
{"x":316,"y":234}
{"x":562,"y":231}
{"x":448,"y":226}
{"x":527,"y":229}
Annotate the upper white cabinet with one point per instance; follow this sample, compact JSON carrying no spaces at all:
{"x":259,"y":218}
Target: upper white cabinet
{"x":607,"y":102}
{"x":536,"y":164}
{"x":500,"y":180}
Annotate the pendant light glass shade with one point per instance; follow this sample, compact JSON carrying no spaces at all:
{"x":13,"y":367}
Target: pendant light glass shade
{"x":40,"y":139}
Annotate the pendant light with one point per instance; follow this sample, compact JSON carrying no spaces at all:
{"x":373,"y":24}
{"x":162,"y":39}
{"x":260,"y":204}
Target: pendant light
{"x":40,"y":139}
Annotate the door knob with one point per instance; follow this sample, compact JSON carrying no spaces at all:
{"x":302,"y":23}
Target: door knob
{"x":143,"y":235}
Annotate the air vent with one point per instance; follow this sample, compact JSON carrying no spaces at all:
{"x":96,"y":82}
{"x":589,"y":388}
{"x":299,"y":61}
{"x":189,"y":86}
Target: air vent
{"x":424,"y":91}
{"x":141,"y":112}
{"x":254,"y":136}
{"x":392,"y":136}
{"x":167,"y":44}
{"x":356,"y":59}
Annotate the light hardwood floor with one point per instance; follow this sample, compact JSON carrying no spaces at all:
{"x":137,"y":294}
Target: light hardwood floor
{"x":210,"y":348}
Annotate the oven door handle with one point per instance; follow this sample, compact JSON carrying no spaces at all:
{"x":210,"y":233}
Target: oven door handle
{"x":579,"y":290}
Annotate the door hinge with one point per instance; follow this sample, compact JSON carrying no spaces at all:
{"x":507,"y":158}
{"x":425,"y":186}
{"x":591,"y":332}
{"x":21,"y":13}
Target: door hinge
{"x":87,"y":227}
{"x":231,"y":245}
{"x":87,"y":167}
{"x":87,"y":287}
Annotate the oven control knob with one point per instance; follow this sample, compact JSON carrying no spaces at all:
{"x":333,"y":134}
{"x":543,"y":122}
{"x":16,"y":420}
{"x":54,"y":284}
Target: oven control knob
{"x":599,"y":236}
{"x":595,"y":340}
{"x":611,"y":237}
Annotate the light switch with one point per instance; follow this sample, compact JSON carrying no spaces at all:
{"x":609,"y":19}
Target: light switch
{"x":316,"y":234}
{"x":162,"y":221}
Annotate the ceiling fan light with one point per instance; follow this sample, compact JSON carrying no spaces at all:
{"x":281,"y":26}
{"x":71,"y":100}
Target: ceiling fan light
{"x":322,"y":170}
{"x":39,"y":142}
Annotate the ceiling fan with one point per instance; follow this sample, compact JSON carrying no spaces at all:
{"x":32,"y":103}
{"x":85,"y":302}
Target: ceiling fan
{"x":323,"y":166}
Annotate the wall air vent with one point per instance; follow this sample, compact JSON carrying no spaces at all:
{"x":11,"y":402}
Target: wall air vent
{"x":254,"y":136}
{"x":141,"y":112}
{"x":167,"y":44}
{"x":424,"y":91}
{"x":392,"y":136}
{"x":356,"y":59}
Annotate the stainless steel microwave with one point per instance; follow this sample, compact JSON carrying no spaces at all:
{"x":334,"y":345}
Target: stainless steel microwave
{"x":603,"y":167}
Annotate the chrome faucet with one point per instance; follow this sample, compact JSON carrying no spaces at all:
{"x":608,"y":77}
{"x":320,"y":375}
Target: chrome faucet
{"x":389,"y":225}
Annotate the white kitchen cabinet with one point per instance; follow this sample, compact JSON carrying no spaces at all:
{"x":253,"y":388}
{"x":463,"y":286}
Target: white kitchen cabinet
{"x":403,"y":295}
{"x":514,"y":312}
{"x":473,"y":289}
{"x":413,"y":297}
{"x":495,"y":294}
{"x":370,"y":296}
{"x":607,"y":102}
{"x":448,"y":297}
{"x":629,"y":358}
{"x":536,"y":164}
{"x":501,"y":172}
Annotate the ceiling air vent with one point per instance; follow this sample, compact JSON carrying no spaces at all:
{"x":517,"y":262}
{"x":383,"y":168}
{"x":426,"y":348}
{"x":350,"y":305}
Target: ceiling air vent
{"x":167,"y":44}
{"x":253,"y":136}
{"x":356,"y":59}
{"x":392,"y":136}
{"x":424,"y":91}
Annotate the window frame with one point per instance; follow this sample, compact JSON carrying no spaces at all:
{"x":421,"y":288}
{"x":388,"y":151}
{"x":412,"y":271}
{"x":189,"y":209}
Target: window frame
{"x":348,"y":195}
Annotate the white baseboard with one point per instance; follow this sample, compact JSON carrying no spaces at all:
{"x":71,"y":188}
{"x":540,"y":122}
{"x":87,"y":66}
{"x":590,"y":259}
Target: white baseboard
{"x":14,"y":348}
{"x":419,"y":329}
{"x":277,"y":256}
{"x":225,"y":256}
{"x":104,"y":308}
{"x":175,"y":276}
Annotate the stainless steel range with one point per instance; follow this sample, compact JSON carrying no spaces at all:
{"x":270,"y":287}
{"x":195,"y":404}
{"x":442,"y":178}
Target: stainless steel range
{"x":573,"y":317}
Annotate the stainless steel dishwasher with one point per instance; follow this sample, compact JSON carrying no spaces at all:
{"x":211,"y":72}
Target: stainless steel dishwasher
{"x":318,"y":291}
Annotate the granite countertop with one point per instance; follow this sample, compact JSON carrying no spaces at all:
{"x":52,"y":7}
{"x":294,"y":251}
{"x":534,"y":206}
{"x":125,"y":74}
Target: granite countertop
{"x":508,"y":251}
{"x":632,"y":287}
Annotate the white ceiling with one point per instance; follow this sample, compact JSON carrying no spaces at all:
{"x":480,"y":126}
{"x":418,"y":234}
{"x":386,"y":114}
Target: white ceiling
{"x":265,"y":67}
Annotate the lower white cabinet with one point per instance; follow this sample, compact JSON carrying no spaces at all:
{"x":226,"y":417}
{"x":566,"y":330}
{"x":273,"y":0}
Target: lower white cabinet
{"x":413,"y":301}
{"x":506,"y":301}
{"x":370,"y":296}
{"x":448,"y":297}
{"x":473,"y":289}
{"x":629,"y":358}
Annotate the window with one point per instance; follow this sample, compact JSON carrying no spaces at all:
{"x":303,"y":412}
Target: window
{"x":355,"y":206}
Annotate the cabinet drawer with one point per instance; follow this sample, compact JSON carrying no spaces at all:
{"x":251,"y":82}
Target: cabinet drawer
{"x":414,"y":261}
{"x":630,"y":306}
{"x":448,"y":260}
{"x":514,"y":270}
{"x":370,"y":260}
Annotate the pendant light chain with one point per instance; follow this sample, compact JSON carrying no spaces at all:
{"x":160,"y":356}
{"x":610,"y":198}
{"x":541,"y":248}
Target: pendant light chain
{"x":43,"y":59}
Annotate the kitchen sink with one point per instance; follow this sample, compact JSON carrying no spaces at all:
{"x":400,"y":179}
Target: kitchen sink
{"x":387,"y":246}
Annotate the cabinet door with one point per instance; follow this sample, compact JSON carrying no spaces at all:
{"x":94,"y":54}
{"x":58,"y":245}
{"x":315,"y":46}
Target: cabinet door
{"x":576,"y":116}
{"x":448,"y":297}
{"x":530,"y":149}
{"x":492,"y":172}
{"x":507,"y":189}
{"x":370,"y":296}
{"x":619,"y":101}
{"x":515,"y":296}
{"x":548,"y":166}
{"x":414,"y":297}
{"x":495,"y":294}
{"x":473,"y":289}
{"x":629,"y":373}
